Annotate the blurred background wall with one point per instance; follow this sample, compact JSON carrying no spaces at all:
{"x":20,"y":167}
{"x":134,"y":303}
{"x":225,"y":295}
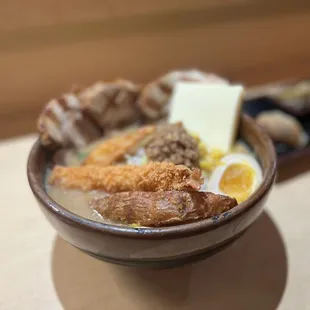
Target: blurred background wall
{"x":46,"y":46}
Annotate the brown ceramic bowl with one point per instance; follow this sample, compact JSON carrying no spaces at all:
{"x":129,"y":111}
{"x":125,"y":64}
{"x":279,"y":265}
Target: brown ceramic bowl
{"x":157,"y":247}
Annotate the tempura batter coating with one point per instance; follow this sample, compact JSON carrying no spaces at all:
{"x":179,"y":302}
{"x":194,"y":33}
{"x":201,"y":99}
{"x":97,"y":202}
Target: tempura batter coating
{"x":120,"y":178}
{"x":161,"y":208}
{"x":114,"y":149}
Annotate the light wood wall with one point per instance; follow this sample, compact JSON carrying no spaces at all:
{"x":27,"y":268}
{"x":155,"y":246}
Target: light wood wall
{"x":45,"y":46}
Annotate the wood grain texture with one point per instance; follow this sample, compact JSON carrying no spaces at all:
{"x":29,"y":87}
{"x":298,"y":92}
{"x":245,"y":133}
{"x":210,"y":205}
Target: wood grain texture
{"x":17,"y":14}
{"x":46,"y":49}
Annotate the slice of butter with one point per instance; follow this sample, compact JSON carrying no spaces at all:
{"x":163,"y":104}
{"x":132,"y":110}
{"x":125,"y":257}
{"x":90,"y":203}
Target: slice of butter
{"x":212,"y":111}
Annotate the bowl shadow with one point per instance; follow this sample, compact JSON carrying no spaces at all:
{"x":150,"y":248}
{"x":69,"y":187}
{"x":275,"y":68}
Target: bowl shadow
{"x":250,"y":274}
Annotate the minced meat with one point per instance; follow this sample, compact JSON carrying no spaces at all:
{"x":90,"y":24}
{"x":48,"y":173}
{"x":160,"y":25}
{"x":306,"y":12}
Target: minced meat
{"x":172,"y":143}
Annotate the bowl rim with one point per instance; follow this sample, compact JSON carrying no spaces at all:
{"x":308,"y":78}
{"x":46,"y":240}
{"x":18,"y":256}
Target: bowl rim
{"x":182,"y":230}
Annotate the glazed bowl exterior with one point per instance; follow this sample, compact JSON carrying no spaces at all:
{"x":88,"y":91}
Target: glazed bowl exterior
{"x":163,"y":246}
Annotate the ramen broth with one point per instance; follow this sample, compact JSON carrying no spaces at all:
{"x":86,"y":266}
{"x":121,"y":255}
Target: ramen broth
{"x":77,"y":201}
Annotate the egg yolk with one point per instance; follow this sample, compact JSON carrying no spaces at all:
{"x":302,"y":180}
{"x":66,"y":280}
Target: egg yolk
{"x":237,"y":181}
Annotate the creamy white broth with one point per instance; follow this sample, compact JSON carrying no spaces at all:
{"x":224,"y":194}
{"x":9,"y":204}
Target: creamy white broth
{"x":77,"y":201}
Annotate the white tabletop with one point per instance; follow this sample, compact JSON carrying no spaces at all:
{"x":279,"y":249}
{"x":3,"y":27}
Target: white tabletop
{"x":268,"y":268}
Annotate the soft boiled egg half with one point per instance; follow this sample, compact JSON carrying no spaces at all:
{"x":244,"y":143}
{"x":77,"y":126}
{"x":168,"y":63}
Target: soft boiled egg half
{"x":237,"y":176}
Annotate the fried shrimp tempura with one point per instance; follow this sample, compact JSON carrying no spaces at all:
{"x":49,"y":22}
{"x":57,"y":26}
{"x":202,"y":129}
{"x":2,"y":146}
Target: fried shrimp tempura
{"x":151,"y":177}
{"x":161,"y":208}
{"x":114,"y":149}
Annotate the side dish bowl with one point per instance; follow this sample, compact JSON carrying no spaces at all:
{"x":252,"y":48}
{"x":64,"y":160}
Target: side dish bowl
{"x":164,"y":246}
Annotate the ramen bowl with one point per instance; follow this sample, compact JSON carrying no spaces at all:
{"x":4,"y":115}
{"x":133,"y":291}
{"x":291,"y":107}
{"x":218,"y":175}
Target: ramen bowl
{"x":161,"y":246}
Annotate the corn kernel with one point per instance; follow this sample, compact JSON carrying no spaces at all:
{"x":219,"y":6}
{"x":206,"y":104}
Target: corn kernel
{"x":134,"y":225}
{"x":217,"y":154}
{"x":195,"y":136}
{"x":207,"y":165}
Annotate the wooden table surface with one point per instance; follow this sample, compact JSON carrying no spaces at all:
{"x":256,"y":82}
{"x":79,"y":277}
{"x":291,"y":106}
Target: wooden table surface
{"x":268,"y":268}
